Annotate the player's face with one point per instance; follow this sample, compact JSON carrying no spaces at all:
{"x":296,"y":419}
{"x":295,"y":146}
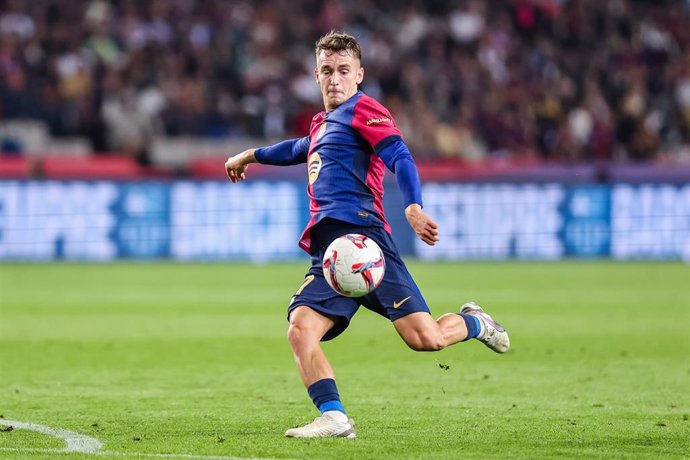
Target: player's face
{"x":338,"y":74}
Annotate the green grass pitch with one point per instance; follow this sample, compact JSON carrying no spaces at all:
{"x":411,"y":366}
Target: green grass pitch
{"x":159,"y":358}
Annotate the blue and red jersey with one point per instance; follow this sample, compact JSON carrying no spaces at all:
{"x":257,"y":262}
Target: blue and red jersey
{"x":346,"y":152}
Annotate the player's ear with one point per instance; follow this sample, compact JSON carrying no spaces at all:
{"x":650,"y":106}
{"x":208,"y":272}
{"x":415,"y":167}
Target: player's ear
{"x":316,"y":75}
{"x":360,"y":75}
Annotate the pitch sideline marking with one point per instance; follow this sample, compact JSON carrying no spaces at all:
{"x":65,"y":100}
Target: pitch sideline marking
{"x":75,"y":442}
{"x":126,"y":454}
{"x":80,"y":443}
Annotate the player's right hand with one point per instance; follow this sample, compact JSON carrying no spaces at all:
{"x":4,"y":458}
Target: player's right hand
{"x":236,"y":165}
{"x":234,"y":171}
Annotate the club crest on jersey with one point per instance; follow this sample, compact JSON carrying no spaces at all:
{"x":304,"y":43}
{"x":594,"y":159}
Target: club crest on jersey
{"x":322,"y":130}
{"x":314,"y":167}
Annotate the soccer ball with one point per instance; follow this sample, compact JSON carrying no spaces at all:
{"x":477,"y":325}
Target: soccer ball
{"x":353,"y":265}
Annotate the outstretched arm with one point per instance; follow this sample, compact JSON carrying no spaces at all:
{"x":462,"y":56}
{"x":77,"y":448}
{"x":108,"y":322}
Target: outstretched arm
{"x":289,"y":152}
{"x":236,"y":165}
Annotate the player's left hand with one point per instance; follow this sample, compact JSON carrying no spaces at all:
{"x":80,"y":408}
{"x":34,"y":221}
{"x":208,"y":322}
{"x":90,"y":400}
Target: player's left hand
{"x":423,"y":225}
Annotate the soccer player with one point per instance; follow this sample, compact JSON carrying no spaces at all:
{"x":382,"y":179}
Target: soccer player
{"x":346,"y":151}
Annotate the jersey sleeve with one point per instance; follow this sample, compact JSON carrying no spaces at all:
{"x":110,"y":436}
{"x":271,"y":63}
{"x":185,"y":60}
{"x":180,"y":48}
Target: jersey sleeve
{"x":285,"y":153}
{"x":374,"y":123}
{"x":396,"y":156}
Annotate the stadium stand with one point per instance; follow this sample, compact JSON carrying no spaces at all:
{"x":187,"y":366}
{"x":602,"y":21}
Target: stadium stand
{"x":551,"y":80}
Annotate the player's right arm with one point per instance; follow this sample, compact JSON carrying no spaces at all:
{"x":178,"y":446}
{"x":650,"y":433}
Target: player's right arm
{"x":289,"y":152}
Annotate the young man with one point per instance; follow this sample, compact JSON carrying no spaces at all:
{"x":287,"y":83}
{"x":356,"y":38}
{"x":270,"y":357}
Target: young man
{"x":346,"y":151}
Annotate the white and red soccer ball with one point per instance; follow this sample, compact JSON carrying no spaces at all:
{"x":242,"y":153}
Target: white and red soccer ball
{"x":353,"y":265}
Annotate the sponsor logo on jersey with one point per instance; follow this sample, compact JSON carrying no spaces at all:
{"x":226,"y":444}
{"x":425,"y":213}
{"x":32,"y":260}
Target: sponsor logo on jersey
{"x":314,"y":167}
{"x":372,"y":121}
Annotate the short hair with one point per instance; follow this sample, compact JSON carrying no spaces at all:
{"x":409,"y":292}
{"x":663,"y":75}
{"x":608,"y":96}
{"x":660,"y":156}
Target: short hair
{"x":335,"y":41}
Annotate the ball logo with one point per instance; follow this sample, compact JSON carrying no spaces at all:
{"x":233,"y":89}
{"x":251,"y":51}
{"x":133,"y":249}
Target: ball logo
{"x":314,"y":167}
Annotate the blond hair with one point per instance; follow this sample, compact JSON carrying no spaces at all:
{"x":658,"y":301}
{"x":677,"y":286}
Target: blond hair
{"x":335,"y":41}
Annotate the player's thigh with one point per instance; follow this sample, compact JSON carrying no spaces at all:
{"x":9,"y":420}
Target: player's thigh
{"x":420,"y":331}
{"x":398,"y":294}
{"x":317,"y":295}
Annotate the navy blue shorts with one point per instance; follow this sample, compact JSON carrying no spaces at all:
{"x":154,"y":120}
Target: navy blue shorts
{"x":396,"y":296}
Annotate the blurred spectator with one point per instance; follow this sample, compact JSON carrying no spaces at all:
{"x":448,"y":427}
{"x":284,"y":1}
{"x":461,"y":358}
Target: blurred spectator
{"x":15,"y":21}
{"x":565,"y":80}
{"x":130,"y":118}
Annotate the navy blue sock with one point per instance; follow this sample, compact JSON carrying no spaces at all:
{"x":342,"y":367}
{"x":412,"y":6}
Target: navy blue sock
{"x":325,"y":395}
{"x":474,"y":327}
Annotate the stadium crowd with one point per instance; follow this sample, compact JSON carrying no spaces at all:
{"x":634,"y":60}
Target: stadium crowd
{"x":563,"y":80}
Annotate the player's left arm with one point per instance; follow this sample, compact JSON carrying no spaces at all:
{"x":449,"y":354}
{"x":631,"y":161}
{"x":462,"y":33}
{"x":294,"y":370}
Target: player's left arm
{"x":398,"y":159}
{"x":375,"y":123}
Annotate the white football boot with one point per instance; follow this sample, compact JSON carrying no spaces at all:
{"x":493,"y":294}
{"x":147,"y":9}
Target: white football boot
{"x":331,"y":424}
{"x":494,"y":335}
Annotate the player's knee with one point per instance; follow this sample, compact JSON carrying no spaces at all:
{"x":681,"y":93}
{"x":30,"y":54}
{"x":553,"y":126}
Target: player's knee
{"x":300,"y":336}
{"x":427,"y":341}
{"x":434,"y":344}
{"x":295,"y":334}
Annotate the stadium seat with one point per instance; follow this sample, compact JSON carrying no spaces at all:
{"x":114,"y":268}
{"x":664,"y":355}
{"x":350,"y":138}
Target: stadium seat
{"x":95,"y":167}
{"x":15,"y":168}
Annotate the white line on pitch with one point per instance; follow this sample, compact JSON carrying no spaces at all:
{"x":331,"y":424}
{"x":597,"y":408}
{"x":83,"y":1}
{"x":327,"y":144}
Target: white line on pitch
{"x":128,"y":454}
{"x":76,"y":442}
{"x":80,"y":443}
